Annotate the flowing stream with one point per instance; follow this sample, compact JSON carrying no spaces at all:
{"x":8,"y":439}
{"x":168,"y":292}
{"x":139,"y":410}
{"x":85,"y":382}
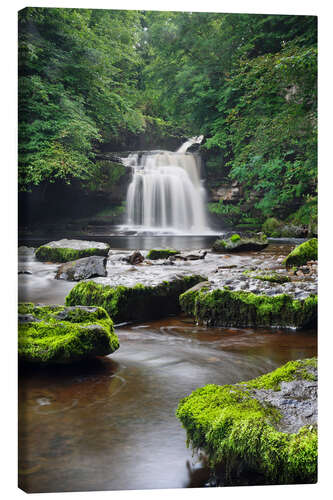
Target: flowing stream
{"x":110,"y":424}
{"x":166,"y":192}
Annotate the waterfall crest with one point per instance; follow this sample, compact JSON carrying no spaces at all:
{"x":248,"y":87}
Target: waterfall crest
{"x":166,"y":192}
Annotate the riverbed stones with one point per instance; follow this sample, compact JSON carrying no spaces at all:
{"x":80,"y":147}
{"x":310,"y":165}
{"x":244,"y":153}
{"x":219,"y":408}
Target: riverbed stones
{"x":66,"y":250}
{"x":268,"y":423}
{"x":227,"y":307}
{"x":135,"y":258}
{"x":60,"y":335}
{"x":237,"y":243}
{"x":137,"y":303}
{"x":80,"y":269}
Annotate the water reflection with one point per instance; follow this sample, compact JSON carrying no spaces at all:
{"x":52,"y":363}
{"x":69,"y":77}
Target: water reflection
{"x":110,"y":424}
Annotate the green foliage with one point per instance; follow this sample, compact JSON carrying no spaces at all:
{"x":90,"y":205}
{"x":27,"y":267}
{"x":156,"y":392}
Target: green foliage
{"x":77,"y":85}
{"x":247,"y":82}
{"x":307,"y":215}
{"x":138,"y":303}
{"x":235,"y":237}
{"x":111,"y":212}
{"x":246,"y":309}
{"x":231,"y":426}
{"x":231,"y":213}
{"x":56,"y":334}
{"x":272,"y":227}
{"x":302,"y":253}
{"x":104,"y":175}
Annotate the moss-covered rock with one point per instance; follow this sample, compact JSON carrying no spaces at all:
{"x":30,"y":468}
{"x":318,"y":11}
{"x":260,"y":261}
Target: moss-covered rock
{"x":67,"y":250}
{"x":241,"y":423}
{"x":302,"y":253}
{"x":271,"y":278}
{"x":57,"y":334}
{"x":161,"y":254}
{"x":137,"y":303}
{"x":237,"y":243}
{"x":245,"y":309}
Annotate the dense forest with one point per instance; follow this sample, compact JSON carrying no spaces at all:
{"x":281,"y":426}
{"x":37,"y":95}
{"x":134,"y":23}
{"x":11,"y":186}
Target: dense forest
{"x":94,"y":80}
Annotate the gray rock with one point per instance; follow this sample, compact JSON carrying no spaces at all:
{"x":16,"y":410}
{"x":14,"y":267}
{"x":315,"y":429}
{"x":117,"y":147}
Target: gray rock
{"x":80,"y":269}
{"x":296,"y":401}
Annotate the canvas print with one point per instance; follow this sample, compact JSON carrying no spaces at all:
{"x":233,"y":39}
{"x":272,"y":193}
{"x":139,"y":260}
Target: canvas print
{"x":167,"y":317}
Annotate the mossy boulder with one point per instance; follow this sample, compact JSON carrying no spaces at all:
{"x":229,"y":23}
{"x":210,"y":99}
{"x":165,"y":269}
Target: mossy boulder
{"x":67,"y":250}
{"x":268,"y":424}
{"x":137,"y":303}
{"x":59,"y":335}
{"x":302,"y":254}
{"x":161,"y":254}
{"x":237,"y":243}
{"x":223,"y":307}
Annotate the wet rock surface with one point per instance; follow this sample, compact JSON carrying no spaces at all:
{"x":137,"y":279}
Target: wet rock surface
{"x":236,"y":271}
{"x":77,"y":244}
{"x":67,"y":250}
{"x":296,"y":401}
{"x":135,"y":258}
{"x":87,"y":267}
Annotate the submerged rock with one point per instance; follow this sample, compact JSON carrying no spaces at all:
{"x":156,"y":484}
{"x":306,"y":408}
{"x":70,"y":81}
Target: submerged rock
{"x":224,"y":307}
{"x":81,"y":269}
{"x":307,"y":251}
{"x":268,"y":423}
{"x":137,"y":303}
{"x":60,"y":335}
{"x":237,"y":243}
{"x":67,"y":250}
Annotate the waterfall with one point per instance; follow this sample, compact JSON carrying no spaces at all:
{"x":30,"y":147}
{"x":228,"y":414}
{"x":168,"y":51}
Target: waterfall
{"x":166,"y":192}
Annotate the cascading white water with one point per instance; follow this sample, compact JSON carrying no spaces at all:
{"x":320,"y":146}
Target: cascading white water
{"x":166,"y":191}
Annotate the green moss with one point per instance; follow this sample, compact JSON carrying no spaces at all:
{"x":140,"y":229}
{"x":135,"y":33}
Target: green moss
{"x":26,"y":307}
{"x":161,"y":254}
{"x":231,"y":426}
{"x":302,"y":253}
{"x":235,"y":237}
{"x":272,"y":278}
{"x":246,"y":309}
{"x":293,"y":370}
{"x":58,"y":335}
{"x":272,"y":227}
{"x":52,"y":254}
{"x":134,"y":303}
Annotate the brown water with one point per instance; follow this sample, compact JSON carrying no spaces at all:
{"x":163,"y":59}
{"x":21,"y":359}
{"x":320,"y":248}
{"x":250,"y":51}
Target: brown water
{"x":110,"y":425}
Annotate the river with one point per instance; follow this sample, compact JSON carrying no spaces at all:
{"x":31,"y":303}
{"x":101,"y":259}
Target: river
{"x":110,"y":424}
